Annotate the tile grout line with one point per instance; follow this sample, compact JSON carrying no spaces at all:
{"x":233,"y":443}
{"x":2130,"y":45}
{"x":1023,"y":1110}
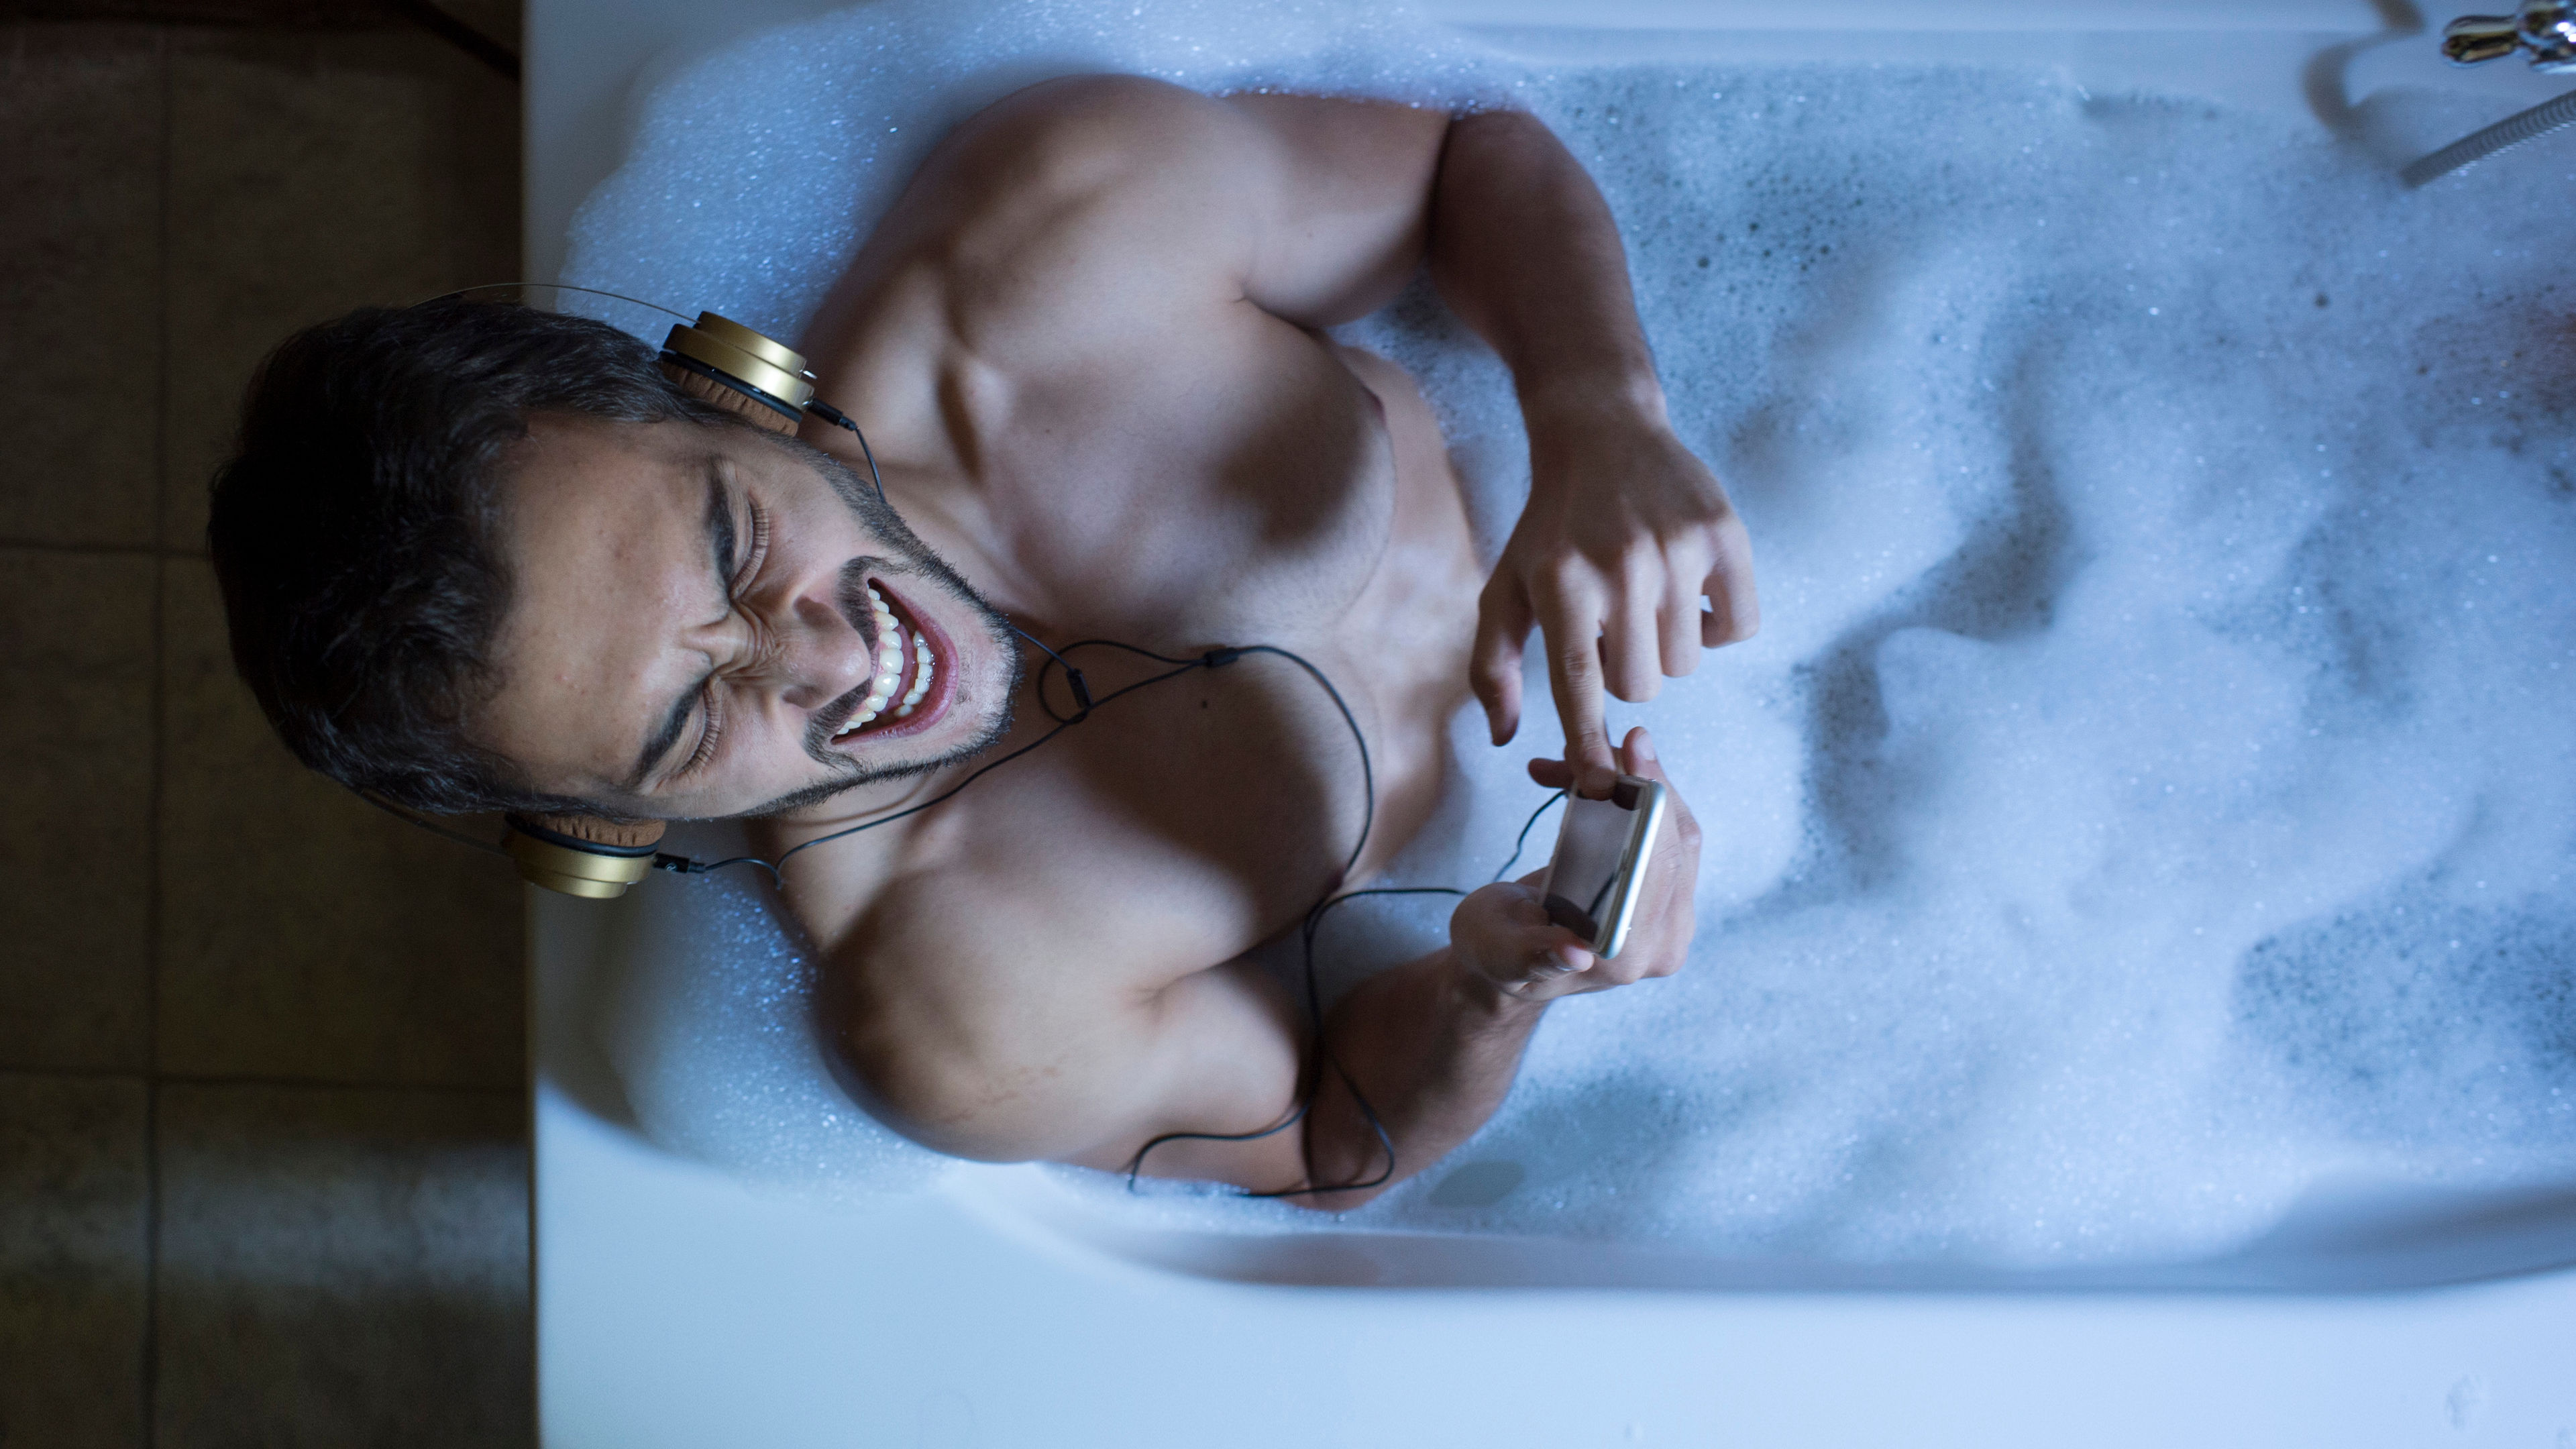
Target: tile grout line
{"x":113,"y":550}
{"x":151,"y":1366}
{"x":324,"y":1084}
{"x":273,"y":1084}
{"x":79,"y":1074}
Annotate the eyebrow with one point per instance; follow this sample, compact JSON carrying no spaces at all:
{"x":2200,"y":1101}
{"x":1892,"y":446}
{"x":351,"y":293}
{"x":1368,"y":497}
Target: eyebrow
{"x":720,"y":549}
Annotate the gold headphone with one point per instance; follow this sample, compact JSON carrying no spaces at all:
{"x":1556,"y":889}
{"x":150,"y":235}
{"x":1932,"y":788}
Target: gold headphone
{"x":722,"y":362}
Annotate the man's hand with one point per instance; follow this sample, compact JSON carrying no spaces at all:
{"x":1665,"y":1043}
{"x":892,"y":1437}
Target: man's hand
{"x":1624,"y":529}
{"x":1624,"y":532}
{"x":1503,"y":935}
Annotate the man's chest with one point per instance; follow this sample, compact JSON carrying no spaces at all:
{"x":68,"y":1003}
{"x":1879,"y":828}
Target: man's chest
{"x":1202,"y":490}
{"x":1290,"y":496}
{"x":1186,"y":818}
{"x":1288,"y":493}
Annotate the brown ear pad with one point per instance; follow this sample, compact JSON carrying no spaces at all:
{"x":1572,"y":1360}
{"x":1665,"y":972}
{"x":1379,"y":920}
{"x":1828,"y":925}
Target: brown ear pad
{"x":591,"y":830}
{"x":582,"y":855}
{"x":733,"y":400}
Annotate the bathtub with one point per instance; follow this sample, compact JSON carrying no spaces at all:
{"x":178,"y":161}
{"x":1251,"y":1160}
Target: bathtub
{"x":676,"y":1306}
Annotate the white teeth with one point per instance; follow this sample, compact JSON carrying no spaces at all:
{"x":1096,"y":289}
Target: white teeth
{"x":920,"y":676}
{"x":890,"y":668}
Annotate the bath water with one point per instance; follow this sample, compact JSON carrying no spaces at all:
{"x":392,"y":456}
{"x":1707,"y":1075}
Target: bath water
{"x":2150,"y":793}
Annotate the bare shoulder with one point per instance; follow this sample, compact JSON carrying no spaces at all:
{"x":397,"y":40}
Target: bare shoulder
{"x":1104,"y":133}
{"x":1108,"y":215}
{"x":994,"y":1009}
{"x":1070,"y":218}
{"x":1080,"y":126}
{"x":1054,"y":161}
{"x":928,"y":1011}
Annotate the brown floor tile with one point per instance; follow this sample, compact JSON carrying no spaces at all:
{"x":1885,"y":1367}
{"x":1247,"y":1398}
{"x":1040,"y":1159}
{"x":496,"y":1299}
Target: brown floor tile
{"x":303,"y":932}
{"x":342,"y":1267}
{"x":75,"y":727}
{"x":80,"y":278}
{"x":72,"y":1261}
{"x":310,"y":175}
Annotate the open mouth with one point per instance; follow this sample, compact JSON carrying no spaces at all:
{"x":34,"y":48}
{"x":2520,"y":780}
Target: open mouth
{"x":915,"y":674}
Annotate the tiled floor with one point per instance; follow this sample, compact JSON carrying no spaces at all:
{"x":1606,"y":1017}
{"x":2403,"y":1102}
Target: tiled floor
{"x":262,"y":1148}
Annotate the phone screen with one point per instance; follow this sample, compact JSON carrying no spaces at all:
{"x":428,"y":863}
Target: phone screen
{"x":1600,"y":847}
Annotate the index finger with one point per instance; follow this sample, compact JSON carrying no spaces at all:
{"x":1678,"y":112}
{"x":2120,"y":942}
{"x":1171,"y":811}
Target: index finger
{"x":1572,"y":625}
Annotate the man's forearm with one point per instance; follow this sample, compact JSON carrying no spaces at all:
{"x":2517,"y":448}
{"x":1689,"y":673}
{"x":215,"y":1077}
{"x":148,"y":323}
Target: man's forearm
{"x":1433,"y":1047}
{"x":1526,"y":252}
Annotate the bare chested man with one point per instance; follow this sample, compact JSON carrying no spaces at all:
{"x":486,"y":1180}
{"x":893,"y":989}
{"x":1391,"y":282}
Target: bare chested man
{"x":1086,"y":346}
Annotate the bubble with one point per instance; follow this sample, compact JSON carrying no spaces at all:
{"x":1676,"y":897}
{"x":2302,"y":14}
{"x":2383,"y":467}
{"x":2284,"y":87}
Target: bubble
{"x":2163,"y":522}
{"x":711,"y":1028}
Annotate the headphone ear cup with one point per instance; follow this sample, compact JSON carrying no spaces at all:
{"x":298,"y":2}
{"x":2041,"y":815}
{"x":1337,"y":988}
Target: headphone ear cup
{"x":720,"y":361}
{"x":712,"y":387}
{"x":583,"y":855}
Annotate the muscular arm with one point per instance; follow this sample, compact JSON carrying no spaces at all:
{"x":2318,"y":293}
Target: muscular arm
{"x":1549,"y":290}
{"x":1325,"y":208}
{"x":1625,"y":529}
{"x":1073,"y":1073}
{"x":1433,"y":1045}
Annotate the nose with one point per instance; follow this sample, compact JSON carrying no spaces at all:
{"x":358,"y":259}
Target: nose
{"x":820,"y":656}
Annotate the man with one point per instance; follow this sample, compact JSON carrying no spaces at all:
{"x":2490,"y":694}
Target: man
{"x":1085,"y":344}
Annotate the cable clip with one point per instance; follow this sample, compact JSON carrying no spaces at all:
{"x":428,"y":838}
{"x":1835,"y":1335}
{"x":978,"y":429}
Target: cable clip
{"x":677,"y":864}
{"x":1081,"y":694}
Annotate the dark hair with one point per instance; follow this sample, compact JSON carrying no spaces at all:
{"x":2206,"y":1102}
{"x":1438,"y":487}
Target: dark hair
{"x":355,"y":531}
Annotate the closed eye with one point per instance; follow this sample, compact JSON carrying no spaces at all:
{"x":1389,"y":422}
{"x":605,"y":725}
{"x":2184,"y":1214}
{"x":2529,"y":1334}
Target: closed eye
{"x":744,"y":574}
{"x":713,"y":710}
{"x":752,"y":557}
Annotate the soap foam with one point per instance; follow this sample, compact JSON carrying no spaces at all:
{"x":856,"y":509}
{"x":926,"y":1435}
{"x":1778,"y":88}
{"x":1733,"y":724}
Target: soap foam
{"x":2150,"y":792}
{"x":708,"y":1017}
{"x":755,"y":172}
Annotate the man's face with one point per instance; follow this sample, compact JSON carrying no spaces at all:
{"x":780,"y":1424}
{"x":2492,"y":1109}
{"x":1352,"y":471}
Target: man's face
{"x":701,"y":620}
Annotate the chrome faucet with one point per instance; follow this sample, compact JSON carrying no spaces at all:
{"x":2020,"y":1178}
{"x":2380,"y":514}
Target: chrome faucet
{"x":2546,"y":28}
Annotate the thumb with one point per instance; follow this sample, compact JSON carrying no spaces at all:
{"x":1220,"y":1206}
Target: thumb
{"x":1507,"y":935}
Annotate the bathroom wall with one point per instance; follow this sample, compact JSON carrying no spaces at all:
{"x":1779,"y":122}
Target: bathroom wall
{"x":262,"y":1150}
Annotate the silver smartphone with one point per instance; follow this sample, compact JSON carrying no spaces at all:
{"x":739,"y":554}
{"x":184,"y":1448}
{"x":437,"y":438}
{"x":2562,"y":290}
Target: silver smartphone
{"x":1601,"y":852}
